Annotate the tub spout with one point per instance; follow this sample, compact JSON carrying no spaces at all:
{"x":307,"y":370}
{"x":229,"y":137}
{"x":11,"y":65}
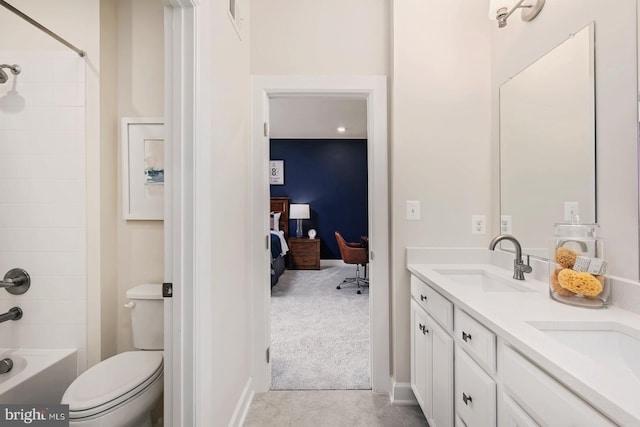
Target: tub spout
{"x":13,"y":314}
{"x":5,"y":365}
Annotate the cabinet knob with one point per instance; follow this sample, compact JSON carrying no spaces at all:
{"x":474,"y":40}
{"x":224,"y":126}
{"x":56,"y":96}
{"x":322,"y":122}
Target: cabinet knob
{"x":423,"y":298}
{"x":466,"y":337}
{"x":466,"y":399}
{"x":424,"y":329}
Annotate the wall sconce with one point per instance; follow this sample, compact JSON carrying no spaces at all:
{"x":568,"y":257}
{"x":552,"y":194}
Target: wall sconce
{"x":299,"y":212}
{"x":500,"y":10}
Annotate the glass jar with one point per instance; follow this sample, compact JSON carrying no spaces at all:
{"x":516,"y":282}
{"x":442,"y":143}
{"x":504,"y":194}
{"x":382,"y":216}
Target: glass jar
{"x":577,"y":268}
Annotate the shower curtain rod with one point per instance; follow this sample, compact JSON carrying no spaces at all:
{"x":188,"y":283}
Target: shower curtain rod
{"x":42,"y":27}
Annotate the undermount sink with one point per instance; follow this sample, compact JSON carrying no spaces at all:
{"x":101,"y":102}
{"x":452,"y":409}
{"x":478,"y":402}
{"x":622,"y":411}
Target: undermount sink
{"x":608,"y":344}
{"x":481,"y":278}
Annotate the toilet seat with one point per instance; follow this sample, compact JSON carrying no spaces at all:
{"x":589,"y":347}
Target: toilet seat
{"x":113,"y":382}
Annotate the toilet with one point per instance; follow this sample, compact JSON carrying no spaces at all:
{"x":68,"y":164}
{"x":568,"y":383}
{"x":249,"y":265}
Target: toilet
{"x":122,"y":390}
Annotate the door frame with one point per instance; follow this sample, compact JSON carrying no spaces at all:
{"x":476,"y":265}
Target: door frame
{"x":373,"y":89}
{"x":182,"y":44}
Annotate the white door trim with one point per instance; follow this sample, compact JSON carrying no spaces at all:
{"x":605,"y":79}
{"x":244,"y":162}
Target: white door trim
{"x":181,"y":107}
{"x":374,"y":90}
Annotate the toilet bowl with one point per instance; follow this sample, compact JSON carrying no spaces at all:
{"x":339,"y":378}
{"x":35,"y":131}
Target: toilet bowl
{"x":122,"y":390}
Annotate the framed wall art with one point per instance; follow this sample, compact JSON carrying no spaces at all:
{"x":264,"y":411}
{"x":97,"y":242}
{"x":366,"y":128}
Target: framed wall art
{"x":142,"y":142}
{"x":276,"y":172}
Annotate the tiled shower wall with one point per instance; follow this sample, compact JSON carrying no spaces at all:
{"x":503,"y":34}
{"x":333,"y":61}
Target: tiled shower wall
{"x":43,"y":200}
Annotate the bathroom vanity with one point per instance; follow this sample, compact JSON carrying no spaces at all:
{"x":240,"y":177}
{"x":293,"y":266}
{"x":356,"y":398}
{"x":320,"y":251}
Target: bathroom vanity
{"x":488,"y":350}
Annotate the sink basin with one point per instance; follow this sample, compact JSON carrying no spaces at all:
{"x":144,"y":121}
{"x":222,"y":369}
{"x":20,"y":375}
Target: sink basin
{"x":481,"y":278}
{"x":609,"y":344}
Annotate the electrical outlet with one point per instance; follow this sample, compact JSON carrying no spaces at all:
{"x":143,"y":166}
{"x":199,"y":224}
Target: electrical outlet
{"x":478,"y":224}
{"x":505,"y":224}
{"x":571,"y":210}
{"x":413,"y":210}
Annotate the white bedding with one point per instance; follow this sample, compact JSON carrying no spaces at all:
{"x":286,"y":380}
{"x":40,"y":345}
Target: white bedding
{"x":283,"y":242}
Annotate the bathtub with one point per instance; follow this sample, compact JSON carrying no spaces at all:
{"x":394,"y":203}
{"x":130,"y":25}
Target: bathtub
{"x":39,"y":376}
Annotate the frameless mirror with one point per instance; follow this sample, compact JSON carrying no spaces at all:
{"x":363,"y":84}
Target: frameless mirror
{"x":547,"y":143}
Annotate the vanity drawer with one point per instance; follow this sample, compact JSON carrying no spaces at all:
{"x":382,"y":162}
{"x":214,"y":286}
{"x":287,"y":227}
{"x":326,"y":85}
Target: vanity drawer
{"x":544,"y":399}
{"x":438,"y":307}
{"x":476,"y":339}
{"x":475,"y":392}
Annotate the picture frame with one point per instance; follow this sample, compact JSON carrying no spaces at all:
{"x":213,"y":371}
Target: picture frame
{"x":276,"y":172}
{"x":142,"y":150}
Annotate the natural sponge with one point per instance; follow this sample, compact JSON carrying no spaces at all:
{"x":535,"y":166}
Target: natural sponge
{"x":555,"y":284}
{"x":579,"y":282}
{"x":566,"y":257}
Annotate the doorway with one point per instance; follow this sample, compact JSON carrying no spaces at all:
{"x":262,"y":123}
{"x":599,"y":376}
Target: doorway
{"x":320,"y":335}
{"x":372,"y":89}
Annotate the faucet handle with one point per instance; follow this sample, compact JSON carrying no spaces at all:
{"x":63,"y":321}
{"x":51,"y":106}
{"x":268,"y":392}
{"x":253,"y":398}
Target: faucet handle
{"x":525,"y":268}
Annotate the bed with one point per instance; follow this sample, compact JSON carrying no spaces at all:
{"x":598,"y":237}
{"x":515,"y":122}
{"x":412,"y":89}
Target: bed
{"x":279,"y":224}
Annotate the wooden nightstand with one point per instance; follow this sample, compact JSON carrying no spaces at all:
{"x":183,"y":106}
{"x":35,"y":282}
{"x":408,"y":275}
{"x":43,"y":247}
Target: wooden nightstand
{"x":304,"y":254}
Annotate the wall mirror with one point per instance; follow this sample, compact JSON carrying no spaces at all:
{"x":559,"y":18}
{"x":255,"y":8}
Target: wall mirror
{"x":547,"y":143}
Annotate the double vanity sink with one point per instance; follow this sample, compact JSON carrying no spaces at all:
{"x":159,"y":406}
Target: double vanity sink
{"x":590,"y":357}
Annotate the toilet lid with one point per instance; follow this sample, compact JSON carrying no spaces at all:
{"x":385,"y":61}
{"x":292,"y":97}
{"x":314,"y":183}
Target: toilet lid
{"x":113,"y":381}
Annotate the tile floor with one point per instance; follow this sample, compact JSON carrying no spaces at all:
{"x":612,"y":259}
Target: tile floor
{"x":330,"y":408}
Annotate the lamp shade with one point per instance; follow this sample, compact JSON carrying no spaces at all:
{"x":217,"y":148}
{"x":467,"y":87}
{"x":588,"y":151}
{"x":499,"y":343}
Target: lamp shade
{"x":299,"y":211}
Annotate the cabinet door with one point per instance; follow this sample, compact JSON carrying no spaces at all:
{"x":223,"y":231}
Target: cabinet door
{"x":545,"y":400}
{"x":512,"y":415}
{"x":420,"y":359}
{"x":475,"y":396}
{"x":442,"y":375}
{"x":431,"y":368}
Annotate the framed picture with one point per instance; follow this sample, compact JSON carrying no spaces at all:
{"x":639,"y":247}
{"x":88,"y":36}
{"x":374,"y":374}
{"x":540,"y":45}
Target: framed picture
{"x":276,"y":172}
{"x":142,"y":142}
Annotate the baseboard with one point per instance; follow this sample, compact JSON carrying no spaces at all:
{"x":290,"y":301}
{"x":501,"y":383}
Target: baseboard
{"x":242,"y":408}
{"x":402,"y":394}
{"x":332,"y":263}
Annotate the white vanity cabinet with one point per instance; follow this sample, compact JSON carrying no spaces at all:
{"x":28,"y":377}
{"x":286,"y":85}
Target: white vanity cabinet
{"x":431,"y":361}
{"x":540,"y":397}
{"x":464,"y":375}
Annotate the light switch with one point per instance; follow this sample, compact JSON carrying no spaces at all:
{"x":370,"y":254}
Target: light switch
{"x":413,"y":210}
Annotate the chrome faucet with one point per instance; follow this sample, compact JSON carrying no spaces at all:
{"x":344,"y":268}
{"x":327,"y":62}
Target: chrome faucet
{"x":519,"y":267}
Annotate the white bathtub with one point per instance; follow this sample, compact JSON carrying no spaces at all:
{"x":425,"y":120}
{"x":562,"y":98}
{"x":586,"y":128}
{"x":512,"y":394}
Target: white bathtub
{"x":38,"y":376}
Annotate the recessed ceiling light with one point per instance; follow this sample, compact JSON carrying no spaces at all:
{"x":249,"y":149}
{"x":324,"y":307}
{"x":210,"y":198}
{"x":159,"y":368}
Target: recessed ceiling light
{"x":341,"y":129}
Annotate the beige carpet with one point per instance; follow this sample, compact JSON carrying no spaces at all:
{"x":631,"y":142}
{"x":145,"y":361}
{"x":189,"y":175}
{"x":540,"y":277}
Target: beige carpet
{"x":319,"y":334}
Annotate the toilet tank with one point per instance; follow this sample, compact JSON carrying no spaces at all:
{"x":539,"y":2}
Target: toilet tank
{"x":147,"y":316}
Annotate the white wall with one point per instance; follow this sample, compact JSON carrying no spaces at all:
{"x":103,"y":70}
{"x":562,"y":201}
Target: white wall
{"x":140,"y":93}
{"x":108,"y":190}
{"x":520,"y":43}
{"x":223,"y":345}
{"x":320,"y":37}
{"x":441,"y":145}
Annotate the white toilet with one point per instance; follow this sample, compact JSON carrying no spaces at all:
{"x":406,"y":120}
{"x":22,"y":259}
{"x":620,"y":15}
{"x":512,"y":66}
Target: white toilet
{"x":122,"y":390}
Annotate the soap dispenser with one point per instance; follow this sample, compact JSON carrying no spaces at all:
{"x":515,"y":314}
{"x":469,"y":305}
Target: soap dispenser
{"x":577,"y":268}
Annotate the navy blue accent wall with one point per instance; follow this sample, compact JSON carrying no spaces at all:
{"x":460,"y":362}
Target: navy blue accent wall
{"x":331,"y":175}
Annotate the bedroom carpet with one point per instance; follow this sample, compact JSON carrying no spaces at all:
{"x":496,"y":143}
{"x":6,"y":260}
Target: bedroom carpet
{"x":319,"y":334}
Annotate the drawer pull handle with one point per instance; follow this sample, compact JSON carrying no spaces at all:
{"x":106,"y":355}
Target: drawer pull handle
{"x":466,"y":337}
{"x":466,"y":399}
{"x":423,"y":298}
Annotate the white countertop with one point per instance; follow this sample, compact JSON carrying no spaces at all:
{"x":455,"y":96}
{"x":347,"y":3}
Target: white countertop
{"x":614,"y":390}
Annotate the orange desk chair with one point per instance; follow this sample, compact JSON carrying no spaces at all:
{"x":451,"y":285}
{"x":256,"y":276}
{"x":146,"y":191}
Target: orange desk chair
{"x":354,"y":253}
